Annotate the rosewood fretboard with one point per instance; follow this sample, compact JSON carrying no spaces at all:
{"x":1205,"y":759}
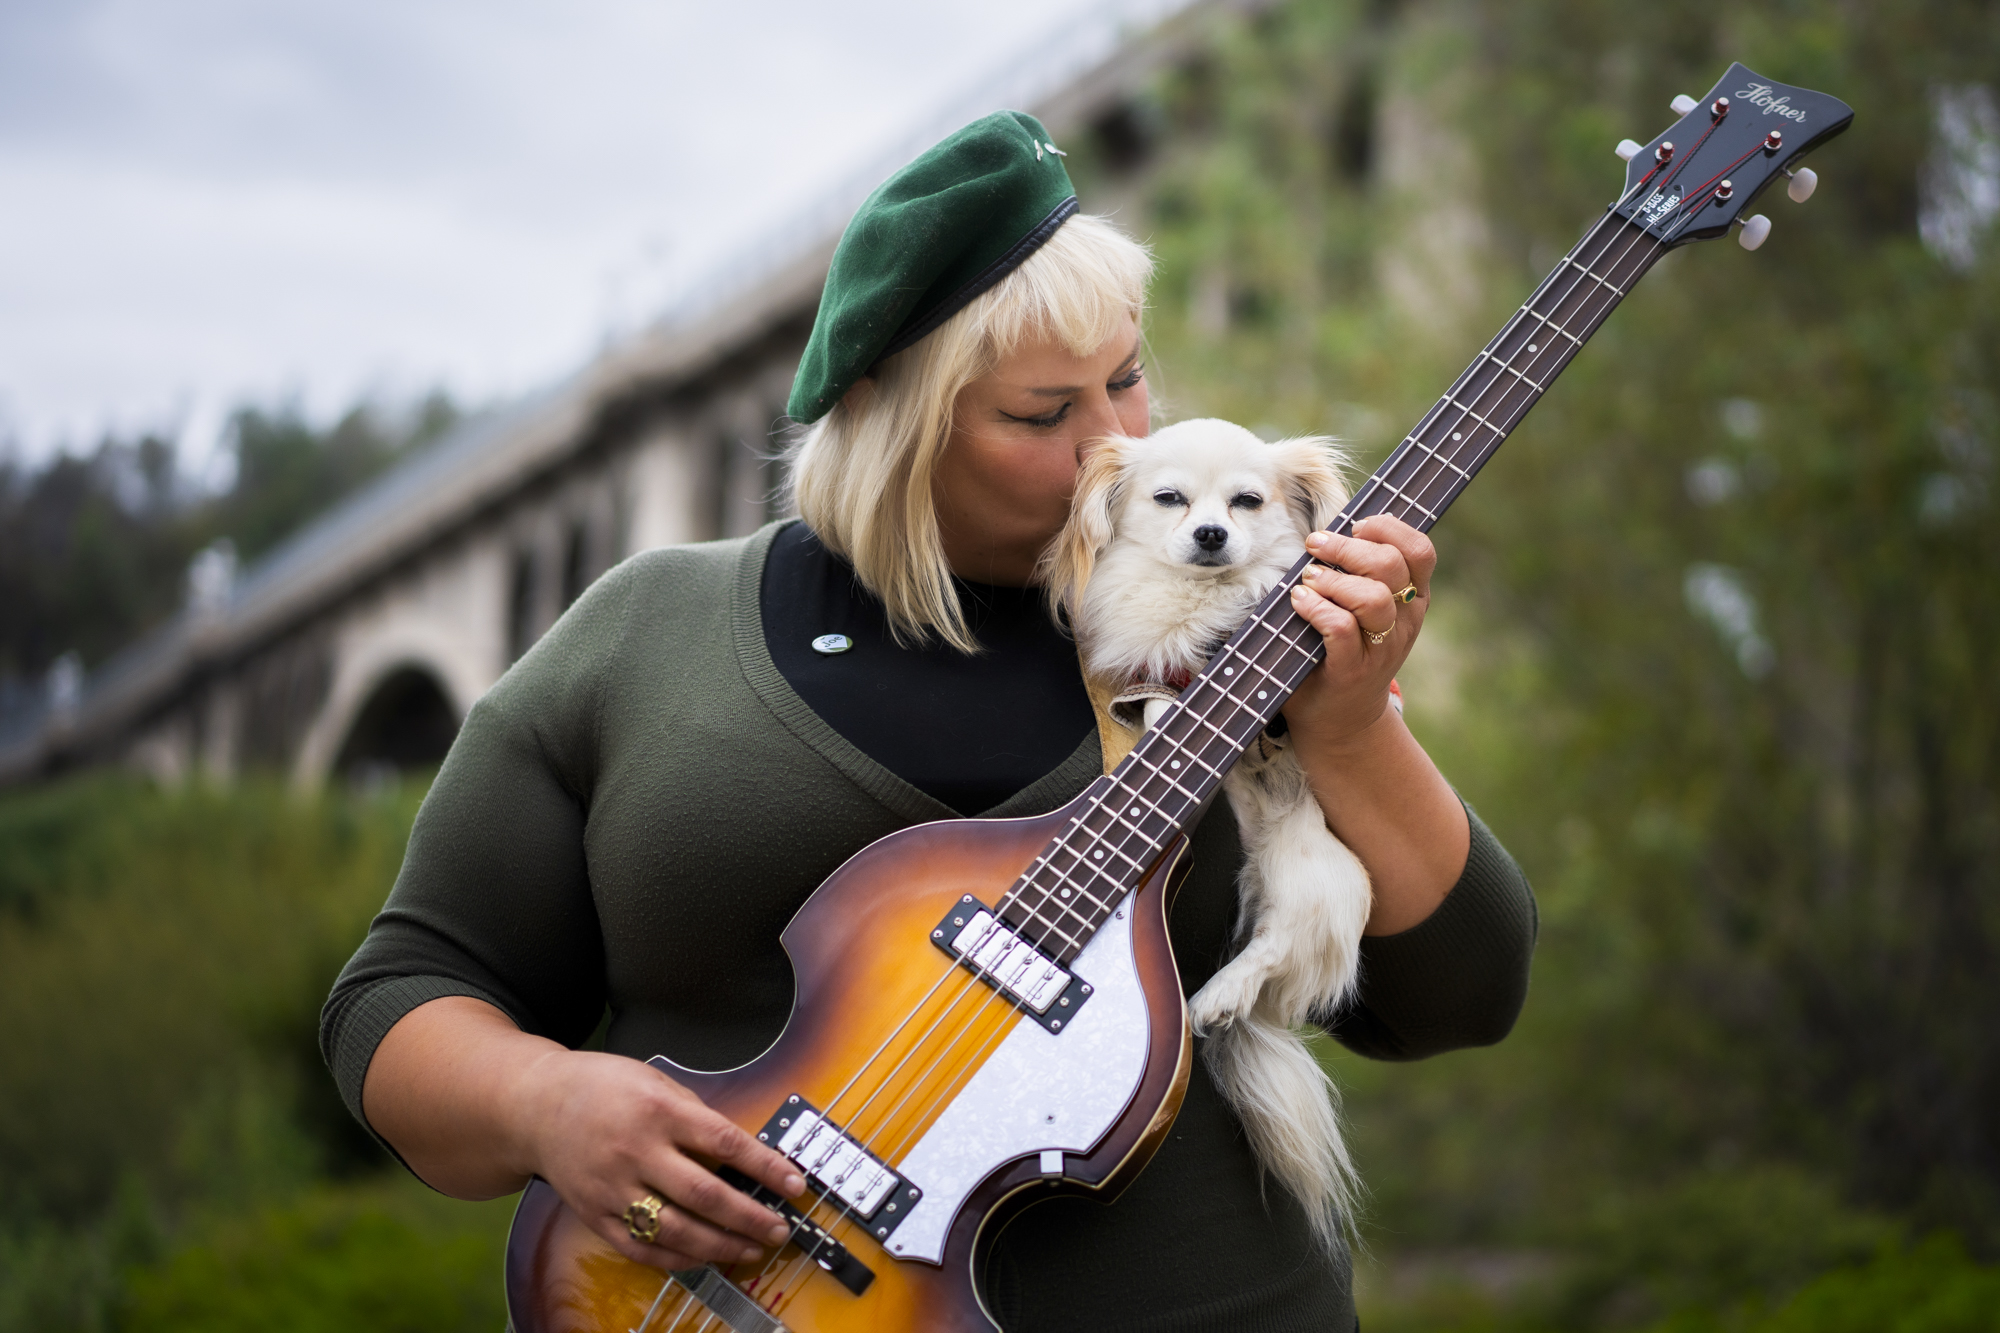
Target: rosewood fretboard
{"x":1129,"y":817}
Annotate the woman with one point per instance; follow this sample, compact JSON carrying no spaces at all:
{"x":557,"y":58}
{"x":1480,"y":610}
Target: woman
{"x":632,"y":814}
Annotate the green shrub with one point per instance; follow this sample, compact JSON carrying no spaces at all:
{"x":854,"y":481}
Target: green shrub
{"x":381,"y":1258}
{"x":1931,"y":1287}
{"x":162,"y":972}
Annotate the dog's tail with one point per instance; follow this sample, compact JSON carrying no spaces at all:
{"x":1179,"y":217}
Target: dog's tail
{"x":1290,"y":1109}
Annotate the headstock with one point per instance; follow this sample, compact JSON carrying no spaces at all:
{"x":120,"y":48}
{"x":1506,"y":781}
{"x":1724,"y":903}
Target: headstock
{"x":1693,"y":181}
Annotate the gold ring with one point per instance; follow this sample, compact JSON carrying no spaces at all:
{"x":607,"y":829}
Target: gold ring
{"x":1375,"y":638}
{"x":1407,"y":595}
{"x":642,"y":1219}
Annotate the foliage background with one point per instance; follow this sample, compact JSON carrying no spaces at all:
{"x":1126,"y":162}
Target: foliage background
{"x":1710,"y":653}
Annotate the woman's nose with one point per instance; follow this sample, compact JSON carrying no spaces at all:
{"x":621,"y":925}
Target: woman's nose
{"x":1099,"y":419}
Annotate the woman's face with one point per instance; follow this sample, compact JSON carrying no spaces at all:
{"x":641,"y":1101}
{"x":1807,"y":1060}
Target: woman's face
{"x":1003,"y":486}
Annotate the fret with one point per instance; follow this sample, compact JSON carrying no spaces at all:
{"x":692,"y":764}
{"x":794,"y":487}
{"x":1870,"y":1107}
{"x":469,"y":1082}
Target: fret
{"x":1256,"y":666}
{"x":1530,"y":311}
{"x":1065,"y":878}
{"x":1413,"y":503}
{"x":1585,"y":270}
{"x":1066,"y":887}
{"x":1096,"y":866}
{"x":1508,"y":367}
{"x":1167,"y":778}
{"x":1428,"y":455}
{"x":1066,"y":908}
{"x":1448,"y":460}
{"x":1037,"y":931}
{"x":1115,"y":849}
{"x":1474,"y":415}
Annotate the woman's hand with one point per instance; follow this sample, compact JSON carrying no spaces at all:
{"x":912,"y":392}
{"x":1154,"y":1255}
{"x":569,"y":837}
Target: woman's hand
{"x":1349,"y":692}
{"x":476,"y":1106}
{"x":1380,"y":792}
{"x":609,"y":1131}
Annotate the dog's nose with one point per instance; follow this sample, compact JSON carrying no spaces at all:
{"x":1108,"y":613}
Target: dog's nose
{"x":1211,"y":536}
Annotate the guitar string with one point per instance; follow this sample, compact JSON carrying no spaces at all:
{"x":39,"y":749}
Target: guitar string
{"x":1079,"y":825}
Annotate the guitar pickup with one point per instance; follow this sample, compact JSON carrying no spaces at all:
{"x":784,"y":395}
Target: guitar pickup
{"x":991,"y":950}
{"x":855,"y":1179}
{"x":813,"y":1240}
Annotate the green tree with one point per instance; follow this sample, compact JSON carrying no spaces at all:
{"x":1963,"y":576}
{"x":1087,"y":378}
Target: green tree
{"x":1715,"y":643}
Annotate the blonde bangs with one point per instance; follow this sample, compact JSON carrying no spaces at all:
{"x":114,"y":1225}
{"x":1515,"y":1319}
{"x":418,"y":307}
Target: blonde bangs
{"x":861,"y":476}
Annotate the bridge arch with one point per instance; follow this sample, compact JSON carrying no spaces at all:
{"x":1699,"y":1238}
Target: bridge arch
{"x":406,"y":721}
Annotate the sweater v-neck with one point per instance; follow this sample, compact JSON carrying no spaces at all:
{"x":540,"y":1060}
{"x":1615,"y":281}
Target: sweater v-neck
{"x":903,"y":798}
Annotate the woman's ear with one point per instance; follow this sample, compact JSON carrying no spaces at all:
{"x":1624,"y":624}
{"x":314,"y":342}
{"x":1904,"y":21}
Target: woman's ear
{"x":858,"y":393}
{"x":1093,"y":514}
{"x":1313,"y":469}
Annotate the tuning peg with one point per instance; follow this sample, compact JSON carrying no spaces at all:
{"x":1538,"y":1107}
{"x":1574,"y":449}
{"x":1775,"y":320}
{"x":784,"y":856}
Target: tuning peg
{"x":1754,"y":232}
{"x":1682,"y":104}
{"x":1627,"y":149}
{"x":1804,"y":181}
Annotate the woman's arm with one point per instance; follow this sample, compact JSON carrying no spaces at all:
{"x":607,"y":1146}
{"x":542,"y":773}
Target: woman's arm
{"x":1381,"y":793}
{"x":476,"y":1106}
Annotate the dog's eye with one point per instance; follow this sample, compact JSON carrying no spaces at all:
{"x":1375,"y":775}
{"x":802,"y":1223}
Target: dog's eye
{"x":1168,"y":497}
{"x":1247,"y":500}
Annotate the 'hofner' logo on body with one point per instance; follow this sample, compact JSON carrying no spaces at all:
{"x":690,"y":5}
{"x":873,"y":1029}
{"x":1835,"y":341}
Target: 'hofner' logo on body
{"x":1759,"y":94}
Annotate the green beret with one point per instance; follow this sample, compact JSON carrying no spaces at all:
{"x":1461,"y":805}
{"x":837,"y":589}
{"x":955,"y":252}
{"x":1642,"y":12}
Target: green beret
{"x":935,"y":235}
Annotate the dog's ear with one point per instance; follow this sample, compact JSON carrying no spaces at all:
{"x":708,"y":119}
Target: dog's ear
{"x":1100,"y":484}
{"x":1314,"y":471}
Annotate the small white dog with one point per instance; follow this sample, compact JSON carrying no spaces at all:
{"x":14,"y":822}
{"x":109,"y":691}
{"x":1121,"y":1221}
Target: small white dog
{"x":1172,"y":540}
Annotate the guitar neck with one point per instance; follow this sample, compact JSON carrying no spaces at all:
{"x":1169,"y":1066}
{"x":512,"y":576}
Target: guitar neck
{"x":1161,"y":789}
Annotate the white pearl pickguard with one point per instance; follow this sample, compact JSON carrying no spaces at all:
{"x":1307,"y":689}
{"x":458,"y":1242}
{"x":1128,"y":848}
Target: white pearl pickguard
{"x":1039,"y":1092}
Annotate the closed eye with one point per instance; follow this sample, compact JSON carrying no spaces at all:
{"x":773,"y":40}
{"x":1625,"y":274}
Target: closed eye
{"x":1168,"y":497}
{"x":1049,"y":422}
{"x":1247,"y":500}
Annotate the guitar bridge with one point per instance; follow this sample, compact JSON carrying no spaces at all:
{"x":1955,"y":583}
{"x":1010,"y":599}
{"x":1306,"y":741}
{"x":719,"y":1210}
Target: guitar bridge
{"x":813,"y":1240}
{"x":990,"y":949}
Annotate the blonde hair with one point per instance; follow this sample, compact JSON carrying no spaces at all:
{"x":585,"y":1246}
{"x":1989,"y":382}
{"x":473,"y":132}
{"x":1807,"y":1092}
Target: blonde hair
{"x":861,"y":476}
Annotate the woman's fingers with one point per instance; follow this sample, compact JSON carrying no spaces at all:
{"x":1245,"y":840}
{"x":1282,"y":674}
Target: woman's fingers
{"x":670,"y":1250}
{"x":1385,"y":549}
{"x":685,"y":1233}
{"x":1369,"y":602}
{"x":610,"y":1132}
{"x":703,"y":1196}
{"x":1418,"y":554}
{"x":707,"y":1133}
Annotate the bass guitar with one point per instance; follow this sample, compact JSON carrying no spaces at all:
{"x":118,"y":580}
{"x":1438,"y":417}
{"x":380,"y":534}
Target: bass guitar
{"x":987,"y":1010}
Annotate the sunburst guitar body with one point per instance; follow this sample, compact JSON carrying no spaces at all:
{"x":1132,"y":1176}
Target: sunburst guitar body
{"x":926,"y":1093}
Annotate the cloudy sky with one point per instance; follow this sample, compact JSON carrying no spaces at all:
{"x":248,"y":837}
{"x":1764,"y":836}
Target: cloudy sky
{"x":208,"y":201}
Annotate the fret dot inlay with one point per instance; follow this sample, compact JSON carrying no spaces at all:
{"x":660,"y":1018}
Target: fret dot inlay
{"x":1229,"y":671}
{"x":1456,"y":436}
{"x":1533,"y":348}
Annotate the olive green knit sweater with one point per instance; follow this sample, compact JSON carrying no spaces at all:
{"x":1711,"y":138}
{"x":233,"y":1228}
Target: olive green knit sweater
{"x":630,"y":817}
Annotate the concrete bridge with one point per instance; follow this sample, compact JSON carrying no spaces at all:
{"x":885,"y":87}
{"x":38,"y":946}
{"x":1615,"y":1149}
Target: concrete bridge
{"x":359,"y":644}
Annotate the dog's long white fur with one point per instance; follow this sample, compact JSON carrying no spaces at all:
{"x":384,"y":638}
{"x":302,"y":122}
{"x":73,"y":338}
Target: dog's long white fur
{"x":1148,"y":599}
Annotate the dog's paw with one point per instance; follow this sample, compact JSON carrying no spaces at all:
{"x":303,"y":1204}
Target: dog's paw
{"x":1229,"y":995}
